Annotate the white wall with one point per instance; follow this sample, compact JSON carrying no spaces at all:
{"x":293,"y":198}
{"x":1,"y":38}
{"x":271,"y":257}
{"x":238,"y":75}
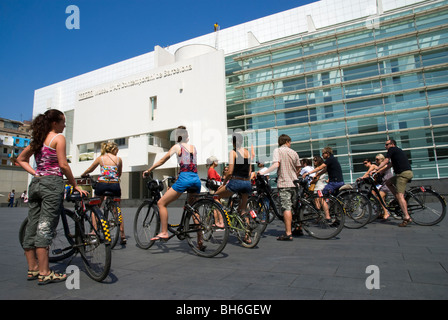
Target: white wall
{"x":189,"y":92}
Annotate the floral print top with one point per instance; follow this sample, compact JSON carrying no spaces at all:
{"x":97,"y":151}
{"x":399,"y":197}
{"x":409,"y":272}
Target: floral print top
{"x":108,"y":173}
{"x":187,"y":160}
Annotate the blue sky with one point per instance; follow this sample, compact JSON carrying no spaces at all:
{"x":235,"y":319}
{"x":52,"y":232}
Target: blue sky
{"x":36,"y":48}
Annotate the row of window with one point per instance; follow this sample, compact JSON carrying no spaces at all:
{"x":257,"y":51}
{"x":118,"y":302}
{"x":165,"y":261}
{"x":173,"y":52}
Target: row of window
{"x":351,"y":89}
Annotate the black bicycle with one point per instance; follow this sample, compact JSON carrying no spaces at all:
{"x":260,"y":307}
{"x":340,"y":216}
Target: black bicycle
{"x":358,"y":208}
{"x":82,"y":230}
{"x":425,"y":206}
{"x":197,"y":224}
{"x":265,"y":200}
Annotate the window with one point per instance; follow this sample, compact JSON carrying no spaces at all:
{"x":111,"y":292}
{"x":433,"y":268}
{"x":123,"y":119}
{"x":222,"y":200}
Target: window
{"x":153,"y":103}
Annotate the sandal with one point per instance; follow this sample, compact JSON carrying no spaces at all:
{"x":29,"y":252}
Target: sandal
{"x":52,"y":277}
{"x":123,"y":241}
{"x":285,"y":237}
{"x":405,"y":222}
{"x":32,"y":274}
{"x":247,"y":239}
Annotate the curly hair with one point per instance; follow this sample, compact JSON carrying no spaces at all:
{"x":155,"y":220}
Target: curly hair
{"x":41,"y":126}
{"x":108,"y":147}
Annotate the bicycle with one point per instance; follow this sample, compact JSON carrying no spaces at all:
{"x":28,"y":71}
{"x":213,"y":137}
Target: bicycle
{"x":84,"y":231}
{"x":312,"y":210}
{"x":358,"y":208}
{"x":425,"y":206}
{"x":197,"y":224}
{"x":111,"y":212}
{"x":265,"y":199}
{"x":246,"y":227}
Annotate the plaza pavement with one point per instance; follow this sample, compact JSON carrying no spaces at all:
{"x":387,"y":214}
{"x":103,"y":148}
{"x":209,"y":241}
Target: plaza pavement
{"x":412,"y":264}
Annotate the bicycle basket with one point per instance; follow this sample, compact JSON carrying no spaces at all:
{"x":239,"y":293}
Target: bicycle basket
{"x":155,"y":185}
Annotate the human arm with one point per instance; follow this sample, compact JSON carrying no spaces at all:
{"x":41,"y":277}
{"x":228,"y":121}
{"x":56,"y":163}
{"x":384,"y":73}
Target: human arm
{"x":317,"y":169}
{"x":24,"y":160}
{"x":92,"y":167}
{"x":174,"y":149}
{"x":371,"y":170}
{"x":274,"y":166}
{"x":232,"y":156}
{"x":384,"y":165}
{"x":63,"y":164}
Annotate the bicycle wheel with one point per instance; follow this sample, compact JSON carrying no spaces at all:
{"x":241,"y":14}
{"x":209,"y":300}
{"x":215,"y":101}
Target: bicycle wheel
{"x":112,"y":213}
{"x":93,"y":240}
{"x":63,"y":241}
{"x":425,"y":206}
{"x":314,"y":222}
{"x":377,"y":208}
{"x":203,"y":236}
{"x":249,"y":230}
{"x":258,"y":224}
{"x":276,"y":201}
{"x":146,"y":224}
{"x":358,"y":209}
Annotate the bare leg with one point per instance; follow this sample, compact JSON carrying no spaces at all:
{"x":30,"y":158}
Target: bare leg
{"x":169,"y":196}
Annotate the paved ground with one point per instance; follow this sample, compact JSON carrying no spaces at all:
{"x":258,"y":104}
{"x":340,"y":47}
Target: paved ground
{"x":412,"y":264}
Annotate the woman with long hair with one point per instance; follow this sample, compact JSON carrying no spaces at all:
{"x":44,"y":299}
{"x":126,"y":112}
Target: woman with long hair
{"x":237,"y":179}
{"x":109,"y":180}
{"x":46,"y":191}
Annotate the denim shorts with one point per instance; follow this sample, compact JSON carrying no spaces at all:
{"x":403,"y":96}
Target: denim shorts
{"x":46,"y":194}
{"x":331,"y":187}
{"x":102,"y":187}
{"x":187,"y":180}
{"x":239,"y":186}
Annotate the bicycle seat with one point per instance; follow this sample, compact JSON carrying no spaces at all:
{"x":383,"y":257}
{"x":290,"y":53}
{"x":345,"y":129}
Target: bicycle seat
{"x":346,"y":187}
{"x":74,"y":196}
{"x":108,"y":194}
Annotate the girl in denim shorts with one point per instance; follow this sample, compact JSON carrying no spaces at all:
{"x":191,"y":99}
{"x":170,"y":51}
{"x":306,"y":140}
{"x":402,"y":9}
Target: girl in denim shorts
{"x":238,"y":175}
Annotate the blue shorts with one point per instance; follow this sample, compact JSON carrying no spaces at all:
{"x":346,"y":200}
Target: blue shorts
{"x":187,"y":180}
{"x":239,"y":186}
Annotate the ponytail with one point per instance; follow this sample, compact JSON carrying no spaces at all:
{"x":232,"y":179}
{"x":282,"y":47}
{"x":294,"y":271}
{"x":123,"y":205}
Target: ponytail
{"x":41,"y":126}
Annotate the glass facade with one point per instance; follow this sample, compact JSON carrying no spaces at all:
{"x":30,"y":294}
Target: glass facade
{"x":351,"y":87}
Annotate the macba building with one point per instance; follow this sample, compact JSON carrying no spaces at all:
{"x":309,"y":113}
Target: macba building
{"x":346,"y":74}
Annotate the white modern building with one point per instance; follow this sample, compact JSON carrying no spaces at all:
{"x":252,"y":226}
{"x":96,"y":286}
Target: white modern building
{"x":325,"y":73}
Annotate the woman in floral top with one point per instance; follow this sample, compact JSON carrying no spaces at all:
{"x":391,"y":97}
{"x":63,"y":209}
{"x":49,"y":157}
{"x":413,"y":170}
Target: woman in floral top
{"x":110,"y":173}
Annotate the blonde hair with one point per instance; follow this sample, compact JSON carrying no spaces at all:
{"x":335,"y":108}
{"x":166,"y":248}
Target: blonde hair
{"x":108,"y":147}
{"x":379,"y":155}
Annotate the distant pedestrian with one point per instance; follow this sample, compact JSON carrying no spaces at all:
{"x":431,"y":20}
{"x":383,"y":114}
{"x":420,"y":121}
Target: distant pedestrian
{"x":23,"y":198}
{"x":11,"y":198}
